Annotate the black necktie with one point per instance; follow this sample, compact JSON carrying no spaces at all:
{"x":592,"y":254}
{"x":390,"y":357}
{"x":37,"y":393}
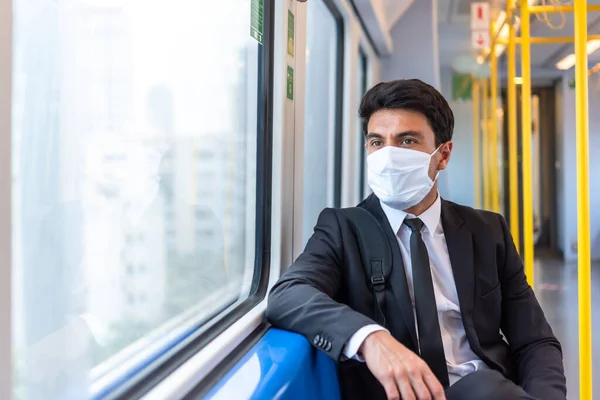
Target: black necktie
{"x":430,"y":338}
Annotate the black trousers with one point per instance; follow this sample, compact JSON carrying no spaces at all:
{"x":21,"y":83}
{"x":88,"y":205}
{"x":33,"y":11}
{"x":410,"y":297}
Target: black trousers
{"x":486,"y":384}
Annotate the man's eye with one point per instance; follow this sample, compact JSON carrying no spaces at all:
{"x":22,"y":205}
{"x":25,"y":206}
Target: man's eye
{"x":376,"y":143}
{"x":407,"y":142}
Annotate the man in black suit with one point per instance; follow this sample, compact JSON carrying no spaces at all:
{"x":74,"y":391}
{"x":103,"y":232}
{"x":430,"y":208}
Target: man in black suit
{"x":460,"y":321}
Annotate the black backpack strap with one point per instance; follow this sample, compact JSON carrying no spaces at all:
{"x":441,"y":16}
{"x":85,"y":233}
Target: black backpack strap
{"x":375,"y":253}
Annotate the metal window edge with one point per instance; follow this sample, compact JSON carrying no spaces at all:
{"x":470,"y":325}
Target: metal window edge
{"x":191,"y":373}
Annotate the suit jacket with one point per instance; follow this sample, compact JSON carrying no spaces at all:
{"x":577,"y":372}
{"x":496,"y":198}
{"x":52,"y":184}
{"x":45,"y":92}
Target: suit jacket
{"x":326,"y":296}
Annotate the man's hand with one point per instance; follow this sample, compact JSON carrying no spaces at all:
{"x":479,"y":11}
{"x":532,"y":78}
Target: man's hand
{"x":402,"y":373}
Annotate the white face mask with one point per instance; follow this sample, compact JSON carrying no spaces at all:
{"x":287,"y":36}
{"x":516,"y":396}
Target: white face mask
{"x":399,"y":177}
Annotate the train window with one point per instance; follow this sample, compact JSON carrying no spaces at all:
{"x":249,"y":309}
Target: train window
{"x":121,"y":264}
{"x":323,"y":111}
{"x":362,"y":89}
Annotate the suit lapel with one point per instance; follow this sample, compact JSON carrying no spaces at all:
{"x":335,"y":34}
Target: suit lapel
{"x":460,"y":249}
{"x":397,"y":276}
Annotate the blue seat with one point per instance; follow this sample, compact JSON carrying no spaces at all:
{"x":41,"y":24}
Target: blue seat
{"x":282,"y":365}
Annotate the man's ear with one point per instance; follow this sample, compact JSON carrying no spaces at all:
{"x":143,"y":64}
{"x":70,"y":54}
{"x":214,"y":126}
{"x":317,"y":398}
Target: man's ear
{"x":445,"y":152}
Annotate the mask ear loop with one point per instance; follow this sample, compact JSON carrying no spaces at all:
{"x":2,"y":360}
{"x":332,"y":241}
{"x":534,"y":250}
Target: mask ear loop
{"x":436,"y":150}
{"x":431,"y":156}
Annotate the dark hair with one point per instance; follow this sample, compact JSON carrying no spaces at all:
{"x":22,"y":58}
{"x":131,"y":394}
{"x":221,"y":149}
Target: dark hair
{"x":414,"y":95}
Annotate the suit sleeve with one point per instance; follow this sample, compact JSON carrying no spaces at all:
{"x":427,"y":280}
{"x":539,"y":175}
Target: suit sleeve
{"x":302,"y":301}
{"x":535,"y":350}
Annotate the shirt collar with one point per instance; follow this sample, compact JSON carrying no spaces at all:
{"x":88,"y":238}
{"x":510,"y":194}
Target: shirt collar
{"x":430,"y":217}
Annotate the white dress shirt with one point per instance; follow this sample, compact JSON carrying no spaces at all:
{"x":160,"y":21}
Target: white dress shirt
{"x":460,"y":359}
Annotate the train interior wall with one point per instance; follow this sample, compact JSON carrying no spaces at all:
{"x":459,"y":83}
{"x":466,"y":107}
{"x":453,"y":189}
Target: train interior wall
{"x":566,"y":166}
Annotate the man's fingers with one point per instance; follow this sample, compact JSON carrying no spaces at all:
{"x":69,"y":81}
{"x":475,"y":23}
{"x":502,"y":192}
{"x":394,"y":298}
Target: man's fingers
{"x":391,"y":391}
{"x":435,"y":387}
{"x":420,"y":388}
{"x":406,"y":390}
{"x":402,"y":373}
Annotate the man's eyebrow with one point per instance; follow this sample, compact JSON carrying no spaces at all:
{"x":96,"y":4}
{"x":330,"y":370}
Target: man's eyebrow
{"x":400,"y":135}
{"x":408,"y":133}
{"x":372,"y":135}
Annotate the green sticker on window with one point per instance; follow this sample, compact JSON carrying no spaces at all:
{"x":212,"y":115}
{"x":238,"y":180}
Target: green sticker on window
{"x":290,"y":83}
{"x":256,"y":20}
{"x":290,"y":44}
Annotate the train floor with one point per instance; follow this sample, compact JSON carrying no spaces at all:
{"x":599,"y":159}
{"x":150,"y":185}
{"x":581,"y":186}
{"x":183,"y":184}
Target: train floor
{"x":556,"y":290}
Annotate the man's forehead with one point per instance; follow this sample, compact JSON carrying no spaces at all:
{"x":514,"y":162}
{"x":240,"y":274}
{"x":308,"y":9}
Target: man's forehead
{"x":394,"y":123}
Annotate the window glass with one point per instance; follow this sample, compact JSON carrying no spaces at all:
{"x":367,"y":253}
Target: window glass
{"x":134,"y":181}
{"x":321,"y":112}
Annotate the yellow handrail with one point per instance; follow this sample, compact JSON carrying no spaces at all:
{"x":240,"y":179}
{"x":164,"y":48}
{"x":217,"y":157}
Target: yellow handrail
{"x":558,"y":9}
{"x":493,"y":150}
{"x":485,"y":147}
{"x":583,"y":201}
{"x":476,"y":143}
{"x":513,"y":179}
{"x":546,"y":40}
{"x":526,"y":143}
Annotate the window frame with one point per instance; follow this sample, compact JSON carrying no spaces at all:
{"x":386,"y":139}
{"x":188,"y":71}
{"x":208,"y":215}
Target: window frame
{"x":213,"y":378}
{"x":339,"y":104}
{"x":363,"y":27}
{"x":363,"y":62}
{"x":332,"y":177}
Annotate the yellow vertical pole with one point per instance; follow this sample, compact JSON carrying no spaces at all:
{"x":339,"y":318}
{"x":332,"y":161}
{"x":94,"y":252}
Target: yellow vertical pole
{"x":526,"y":143}
{"x":513,"y":177}
{"x":583,"y":201}
{"x":485,"y":147}
{"x":493,"y":151}
{"x":476,"y":143}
